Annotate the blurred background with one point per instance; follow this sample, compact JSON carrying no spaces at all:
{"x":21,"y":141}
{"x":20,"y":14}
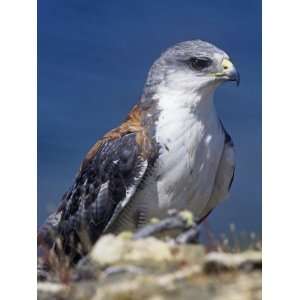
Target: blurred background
{"x":93,"y":58}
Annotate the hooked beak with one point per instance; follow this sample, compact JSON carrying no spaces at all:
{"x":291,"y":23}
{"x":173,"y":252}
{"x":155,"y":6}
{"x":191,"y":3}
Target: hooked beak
{"x":229,"y":72}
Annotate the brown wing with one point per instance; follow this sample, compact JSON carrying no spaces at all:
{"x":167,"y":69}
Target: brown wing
{"x":107,"y":179}
{"x":133,"y":124}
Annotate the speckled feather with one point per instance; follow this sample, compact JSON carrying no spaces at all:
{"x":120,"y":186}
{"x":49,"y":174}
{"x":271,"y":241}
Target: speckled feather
{"x":108,"y":176}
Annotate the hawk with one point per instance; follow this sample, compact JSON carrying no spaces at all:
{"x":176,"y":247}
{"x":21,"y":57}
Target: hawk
{"x":171,"y":152}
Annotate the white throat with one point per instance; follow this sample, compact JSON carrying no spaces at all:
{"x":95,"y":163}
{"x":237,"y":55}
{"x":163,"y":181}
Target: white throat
{"x":191,"y":140}
{"x":183,"y":107}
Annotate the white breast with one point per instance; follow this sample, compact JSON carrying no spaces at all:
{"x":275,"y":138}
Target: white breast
{"x":191,"y":141}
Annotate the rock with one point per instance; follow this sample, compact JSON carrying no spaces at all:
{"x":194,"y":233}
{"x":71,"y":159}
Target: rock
{"x":111,"y":250}
{"x":120,"y":268}
{"x":50,"y":287}
{"x":49,"y":290}
{"x":220,"y":262}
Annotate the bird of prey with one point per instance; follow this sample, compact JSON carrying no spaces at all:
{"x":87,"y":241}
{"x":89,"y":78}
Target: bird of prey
{"x":171,"y":152}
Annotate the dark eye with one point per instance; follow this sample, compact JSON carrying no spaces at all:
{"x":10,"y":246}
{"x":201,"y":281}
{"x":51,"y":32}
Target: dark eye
{"x":199,"y":63}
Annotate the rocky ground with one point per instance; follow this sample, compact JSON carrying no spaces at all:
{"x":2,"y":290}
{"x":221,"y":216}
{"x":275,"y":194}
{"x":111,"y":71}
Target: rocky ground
{"x":120,"y":268}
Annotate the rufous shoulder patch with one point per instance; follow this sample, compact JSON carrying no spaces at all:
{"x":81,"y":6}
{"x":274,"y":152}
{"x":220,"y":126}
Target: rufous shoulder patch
{"x":132,"y":124}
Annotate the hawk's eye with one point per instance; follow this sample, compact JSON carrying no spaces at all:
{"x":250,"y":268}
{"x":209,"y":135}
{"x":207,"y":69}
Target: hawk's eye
{"x":199,"y":63}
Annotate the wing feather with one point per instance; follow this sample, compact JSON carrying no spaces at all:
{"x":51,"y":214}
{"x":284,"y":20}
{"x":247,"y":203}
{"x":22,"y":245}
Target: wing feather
{"x":100,"y":192}
{"x":108,"y":177}
{"x":104,"y":187}
{"x":129,"y":193}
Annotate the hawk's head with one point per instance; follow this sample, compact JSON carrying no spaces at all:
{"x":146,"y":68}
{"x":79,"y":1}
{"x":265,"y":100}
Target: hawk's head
{"x":192,"y":65}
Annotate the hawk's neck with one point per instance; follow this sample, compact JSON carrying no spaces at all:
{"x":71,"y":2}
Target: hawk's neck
{"x":181,"y":109}
{"x":175,"y":114}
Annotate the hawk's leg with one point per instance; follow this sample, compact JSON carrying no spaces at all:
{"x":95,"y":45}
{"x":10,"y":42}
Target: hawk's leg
{"x":176,"y":222}
{"x":180,"y":222}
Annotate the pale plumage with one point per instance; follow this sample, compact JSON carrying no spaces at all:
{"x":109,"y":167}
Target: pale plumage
{"x":171,"y":152}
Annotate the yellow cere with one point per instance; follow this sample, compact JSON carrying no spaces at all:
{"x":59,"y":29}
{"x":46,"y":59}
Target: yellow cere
{"x":226,"y":64}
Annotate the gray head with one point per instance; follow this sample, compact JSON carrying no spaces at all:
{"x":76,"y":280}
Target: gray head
{"x":191,"y":65}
